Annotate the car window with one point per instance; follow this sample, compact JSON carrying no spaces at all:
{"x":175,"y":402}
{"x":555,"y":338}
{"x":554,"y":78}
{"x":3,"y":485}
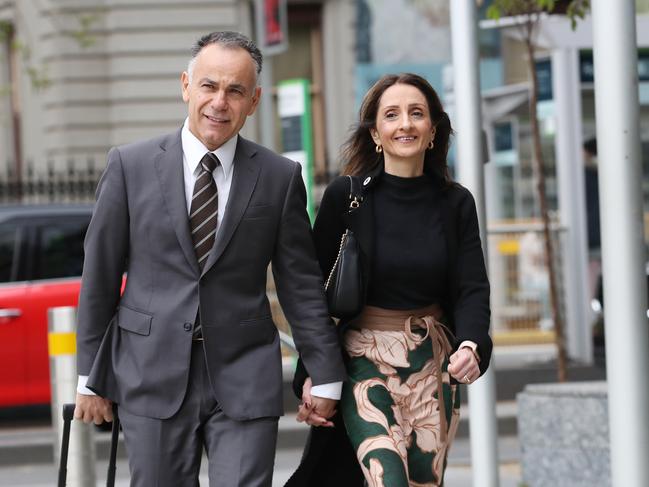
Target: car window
{"x":60,"y":249}
{"x":9,"y":239}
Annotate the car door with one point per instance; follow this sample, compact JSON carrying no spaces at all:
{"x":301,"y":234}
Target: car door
{"x":14,"y":304}
{"x":55,"y":269}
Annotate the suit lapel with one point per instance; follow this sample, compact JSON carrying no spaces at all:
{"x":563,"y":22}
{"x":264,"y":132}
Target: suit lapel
{"x":169,"y":168}
{"x":244,"y":178}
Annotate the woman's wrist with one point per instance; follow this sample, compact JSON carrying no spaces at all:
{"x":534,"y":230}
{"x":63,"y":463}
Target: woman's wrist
{"x":472,"y":346}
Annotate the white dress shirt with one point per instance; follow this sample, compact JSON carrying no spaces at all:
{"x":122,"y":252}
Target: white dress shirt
{"x":193,"y":152}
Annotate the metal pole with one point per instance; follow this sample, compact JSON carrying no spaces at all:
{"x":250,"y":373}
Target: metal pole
{"x":470,"y":159}
{"x":572,"y":202}
{"x":266,"y":111}
{"x":63,"y":377}
{"x":625,"y":287}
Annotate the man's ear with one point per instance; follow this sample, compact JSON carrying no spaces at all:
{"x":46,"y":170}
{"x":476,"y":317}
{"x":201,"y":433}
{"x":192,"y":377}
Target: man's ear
{"x":184,"y":84}
{"x":255,"y":100}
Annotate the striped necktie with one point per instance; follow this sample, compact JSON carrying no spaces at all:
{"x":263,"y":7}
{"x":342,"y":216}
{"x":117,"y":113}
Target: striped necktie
{"x":203,"y":213}
{"x":204,"y":209}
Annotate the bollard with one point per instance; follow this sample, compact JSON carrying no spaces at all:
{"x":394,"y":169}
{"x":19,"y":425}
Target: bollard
{"x":63,"y":378}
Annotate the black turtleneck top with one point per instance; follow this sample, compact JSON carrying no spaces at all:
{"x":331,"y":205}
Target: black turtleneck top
{"x":409,"y":261}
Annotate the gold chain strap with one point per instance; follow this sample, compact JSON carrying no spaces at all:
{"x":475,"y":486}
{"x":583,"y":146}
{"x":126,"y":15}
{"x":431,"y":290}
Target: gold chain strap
{"x":354,"y":203}
{"x":340,"y":249}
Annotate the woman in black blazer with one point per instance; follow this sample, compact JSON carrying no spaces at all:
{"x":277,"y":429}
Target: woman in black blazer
{"x":425,"y":323}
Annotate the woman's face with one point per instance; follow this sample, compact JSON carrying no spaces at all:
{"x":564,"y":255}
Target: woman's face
{"x":403,"y":124}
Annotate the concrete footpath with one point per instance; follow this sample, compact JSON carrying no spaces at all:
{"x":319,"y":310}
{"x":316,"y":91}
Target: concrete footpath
{"x":26,"y":457}
{"x":27,"y":454}
{"x":458,"y":474}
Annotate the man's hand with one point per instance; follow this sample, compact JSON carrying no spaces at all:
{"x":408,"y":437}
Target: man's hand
{"x":314,"y":410}
{"x":464,"y":366}
{"x":325,"y":407}
{"x":93,"y":409}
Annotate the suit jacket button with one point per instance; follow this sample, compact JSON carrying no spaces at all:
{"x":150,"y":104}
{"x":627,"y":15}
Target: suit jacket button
{"x":188,"y":326}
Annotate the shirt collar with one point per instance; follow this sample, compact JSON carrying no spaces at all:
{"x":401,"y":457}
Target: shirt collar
{"x":194,"y":150}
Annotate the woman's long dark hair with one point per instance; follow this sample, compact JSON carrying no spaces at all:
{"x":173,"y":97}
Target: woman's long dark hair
{"x":359,"y":153}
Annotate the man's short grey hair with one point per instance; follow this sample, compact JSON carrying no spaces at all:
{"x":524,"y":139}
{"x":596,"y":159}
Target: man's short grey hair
{"x":226,"y":39}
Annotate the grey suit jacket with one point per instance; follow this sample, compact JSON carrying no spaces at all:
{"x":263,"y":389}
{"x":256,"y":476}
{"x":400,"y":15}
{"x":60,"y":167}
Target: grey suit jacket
{"x":136,"y":347}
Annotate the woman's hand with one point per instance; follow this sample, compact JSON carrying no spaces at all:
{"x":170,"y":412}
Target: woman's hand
{"x":308,"y":412}
{"x":463,"y":366}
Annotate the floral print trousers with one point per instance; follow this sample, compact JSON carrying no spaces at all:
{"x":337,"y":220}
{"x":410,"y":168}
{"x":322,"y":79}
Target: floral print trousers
{"x":391,"y":407}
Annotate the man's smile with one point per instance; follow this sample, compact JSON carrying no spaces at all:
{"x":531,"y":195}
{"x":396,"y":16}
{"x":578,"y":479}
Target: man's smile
{"x":217,"y":119}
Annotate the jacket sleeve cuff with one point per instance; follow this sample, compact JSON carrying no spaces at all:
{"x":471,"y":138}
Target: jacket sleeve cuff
{"x":331,"y":390}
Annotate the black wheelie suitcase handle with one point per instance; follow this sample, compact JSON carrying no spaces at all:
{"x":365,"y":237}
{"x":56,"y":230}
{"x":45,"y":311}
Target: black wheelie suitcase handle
{"x":68,"y":416}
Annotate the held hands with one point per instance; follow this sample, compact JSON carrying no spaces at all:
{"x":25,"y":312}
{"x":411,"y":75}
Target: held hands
{"x":93,"y":409}
{"x":314,"y":410}
{"x":463,"y":366}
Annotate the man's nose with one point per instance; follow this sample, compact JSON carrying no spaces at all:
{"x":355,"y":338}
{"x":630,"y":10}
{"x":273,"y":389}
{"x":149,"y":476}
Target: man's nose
{"x":218,"y":101}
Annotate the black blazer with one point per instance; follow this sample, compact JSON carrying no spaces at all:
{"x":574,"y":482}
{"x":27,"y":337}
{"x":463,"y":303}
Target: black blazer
{"x":466,"y":302}
{"x":329,"y":458}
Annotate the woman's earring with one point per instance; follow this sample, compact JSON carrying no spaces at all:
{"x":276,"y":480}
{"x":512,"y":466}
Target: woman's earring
{"x":378,"y":148}
{"x":431,"y":144}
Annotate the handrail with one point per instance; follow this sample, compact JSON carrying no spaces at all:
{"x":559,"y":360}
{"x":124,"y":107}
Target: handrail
{"x":530,"y":226}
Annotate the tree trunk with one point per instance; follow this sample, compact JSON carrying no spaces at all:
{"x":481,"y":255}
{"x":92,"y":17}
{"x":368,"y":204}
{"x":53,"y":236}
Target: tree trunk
{"x":539,"y":172}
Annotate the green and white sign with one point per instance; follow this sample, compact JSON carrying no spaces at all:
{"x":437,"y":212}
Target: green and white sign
{"x":294,"y":107}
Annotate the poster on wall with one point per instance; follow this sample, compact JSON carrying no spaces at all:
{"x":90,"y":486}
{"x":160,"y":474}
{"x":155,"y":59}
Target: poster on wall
{"x":272,"y":26}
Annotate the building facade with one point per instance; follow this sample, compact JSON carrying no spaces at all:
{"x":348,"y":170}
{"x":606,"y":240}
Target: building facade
{"x":78,"y":77}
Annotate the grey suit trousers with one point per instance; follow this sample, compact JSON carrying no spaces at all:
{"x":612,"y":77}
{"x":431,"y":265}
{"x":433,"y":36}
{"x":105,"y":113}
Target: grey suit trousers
{"x":167,"y":452}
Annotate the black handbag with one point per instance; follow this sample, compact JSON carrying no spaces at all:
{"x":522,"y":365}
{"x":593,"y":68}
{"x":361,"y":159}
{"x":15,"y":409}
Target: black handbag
{"x":344,"y":286}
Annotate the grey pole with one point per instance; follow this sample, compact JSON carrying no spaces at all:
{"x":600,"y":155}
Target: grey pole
{"x":470,"y":159}
{"x":572,"y":202}
{"x":63,"y":377}
{"x":266,"y":106}
{"x":625,"y":287}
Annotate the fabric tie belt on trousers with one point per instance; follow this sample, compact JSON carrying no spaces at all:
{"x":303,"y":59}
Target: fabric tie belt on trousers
{"x":427,"y":318}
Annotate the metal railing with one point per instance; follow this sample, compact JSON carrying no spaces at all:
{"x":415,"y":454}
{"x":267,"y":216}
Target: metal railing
{"x":520,"y":281}
{"x":73,"y":183}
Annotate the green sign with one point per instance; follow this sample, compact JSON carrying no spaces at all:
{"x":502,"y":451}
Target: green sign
{"x":294,"y":106}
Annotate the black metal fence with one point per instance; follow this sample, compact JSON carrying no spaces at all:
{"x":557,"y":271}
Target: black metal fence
{"x":75,"y":182}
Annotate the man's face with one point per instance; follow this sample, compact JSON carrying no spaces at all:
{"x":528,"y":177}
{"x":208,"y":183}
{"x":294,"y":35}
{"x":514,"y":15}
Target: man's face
{"x":221,"y":94}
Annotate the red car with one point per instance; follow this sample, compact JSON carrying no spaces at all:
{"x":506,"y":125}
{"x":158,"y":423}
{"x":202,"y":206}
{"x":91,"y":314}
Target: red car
{"x":41,"y":258}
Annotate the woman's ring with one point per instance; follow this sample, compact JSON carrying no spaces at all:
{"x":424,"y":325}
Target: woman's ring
{"x":466,"y":379}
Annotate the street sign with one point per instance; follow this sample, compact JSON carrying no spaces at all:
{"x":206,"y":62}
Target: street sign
{"x":544,"y":77}
{"x":272,"y":26}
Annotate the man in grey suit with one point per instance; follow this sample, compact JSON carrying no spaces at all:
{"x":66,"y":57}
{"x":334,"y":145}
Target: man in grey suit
{"x":189,"y":350}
